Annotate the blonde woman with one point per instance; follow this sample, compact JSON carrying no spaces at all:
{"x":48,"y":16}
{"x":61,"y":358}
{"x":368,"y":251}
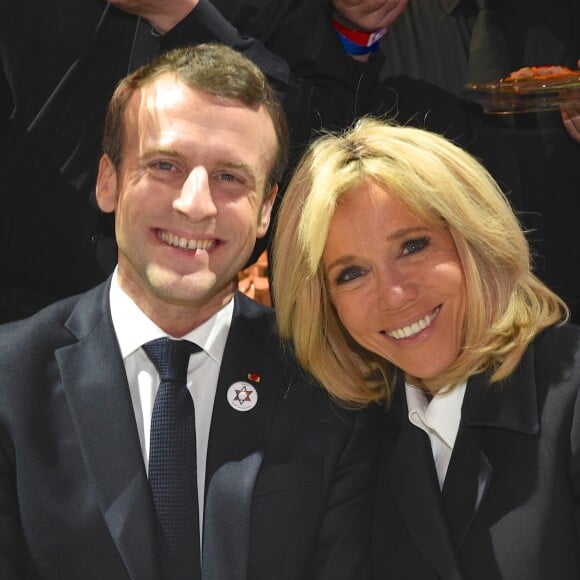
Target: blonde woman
{"x":402,"y":276}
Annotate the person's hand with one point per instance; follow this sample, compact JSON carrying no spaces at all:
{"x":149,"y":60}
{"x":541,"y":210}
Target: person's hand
{"x":253,"y":281}
{"x":369,"y":15}
{"x":571,"y":119}
{"x":163,"y":15}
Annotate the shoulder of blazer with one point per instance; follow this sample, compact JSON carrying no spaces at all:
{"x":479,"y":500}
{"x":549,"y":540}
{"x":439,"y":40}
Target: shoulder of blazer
{"x":59,"y":324}
{"x":557,"y":361}
{"x":557,"y":347}
{"x":551,"y":361}
{"x":257,"y":323}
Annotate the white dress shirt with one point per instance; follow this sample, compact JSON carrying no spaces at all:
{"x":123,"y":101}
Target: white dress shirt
{"x":440,"y":419}
{"x":133,"y":329}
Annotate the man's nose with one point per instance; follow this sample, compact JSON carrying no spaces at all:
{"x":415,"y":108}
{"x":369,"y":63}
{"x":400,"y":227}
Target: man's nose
{"x":195,"y":199}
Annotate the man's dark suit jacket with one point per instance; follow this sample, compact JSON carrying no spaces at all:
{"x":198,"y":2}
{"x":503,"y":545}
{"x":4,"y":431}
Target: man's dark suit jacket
{"x":288,"y":488}
{"x":510,"y":506}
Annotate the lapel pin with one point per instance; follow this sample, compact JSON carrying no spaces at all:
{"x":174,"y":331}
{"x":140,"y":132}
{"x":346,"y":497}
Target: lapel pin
{"x":242,"y":396}
{"x":254,"y":377}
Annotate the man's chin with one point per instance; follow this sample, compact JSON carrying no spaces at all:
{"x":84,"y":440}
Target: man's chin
{"x":191,"y":290}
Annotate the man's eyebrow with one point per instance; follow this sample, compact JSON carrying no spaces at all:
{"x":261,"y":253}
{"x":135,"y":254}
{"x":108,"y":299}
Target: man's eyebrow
{"x":166,"y":151}
{"x":242,"y":165}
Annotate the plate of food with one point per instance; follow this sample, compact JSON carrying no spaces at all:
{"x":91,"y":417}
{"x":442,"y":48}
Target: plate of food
{"x":528,"y":89}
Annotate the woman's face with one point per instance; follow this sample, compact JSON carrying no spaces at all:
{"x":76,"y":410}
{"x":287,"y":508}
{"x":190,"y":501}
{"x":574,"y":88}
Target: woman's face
{"x":396,"y":282}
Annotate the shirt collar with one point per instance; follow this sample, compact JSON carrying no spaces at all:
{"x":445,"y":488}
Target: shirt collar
{"x":442,"y":414}
{"x":133,"y":328}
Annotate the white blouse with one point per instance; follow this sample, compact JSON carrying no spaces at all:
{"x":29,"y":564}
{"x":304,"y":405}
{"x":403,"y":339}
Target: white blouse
{"x":439,"y":418}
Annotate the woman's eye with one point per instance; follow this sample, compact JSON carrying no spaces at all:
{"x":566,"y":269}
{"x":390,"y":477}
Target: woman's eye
{"x":413,"y":246}
{"x":348,"y":274}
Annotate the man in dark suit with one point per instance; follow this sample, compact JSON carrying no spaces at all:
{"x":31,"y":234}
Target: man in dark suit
{"x":194,"y":147}
{"x":59,"y":64}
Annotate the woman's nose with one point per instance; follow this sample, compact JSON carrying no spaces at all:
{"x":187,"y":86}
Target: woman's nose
{"x":396,"y":289}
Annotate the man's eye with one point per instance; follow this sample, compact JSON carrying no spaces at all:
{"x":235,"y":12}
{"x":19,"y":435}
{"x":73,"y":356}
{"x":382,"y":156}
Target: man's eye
{"x":228,"y":177}
{"x":414,"y":246}
{"x":164,"y":165}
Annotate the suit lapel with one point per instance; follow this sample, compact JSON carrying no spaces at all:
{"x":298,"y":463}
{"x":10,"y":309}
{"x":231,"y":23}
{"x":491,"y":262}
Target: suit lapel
{"x":510,"y":405}
{"x":236,"y":442}
{"x":227,"y":519}
{"x":96,"y":387}
{"x":466,"y":483}
{"x":414,"y":483}
{"x":439,"y":523}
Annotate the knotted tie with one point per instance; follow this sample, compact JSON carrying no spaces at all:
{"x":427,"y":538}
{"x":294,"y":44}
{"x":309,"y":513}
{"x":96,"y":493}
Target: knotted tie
{"x":488,"y":52}
{"x":172,"y":460}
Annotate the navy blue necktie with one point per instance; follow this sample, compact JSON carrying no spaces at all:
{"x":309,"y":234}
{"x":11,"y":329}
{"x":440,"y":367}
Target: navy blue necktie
{"x":172,"y":460}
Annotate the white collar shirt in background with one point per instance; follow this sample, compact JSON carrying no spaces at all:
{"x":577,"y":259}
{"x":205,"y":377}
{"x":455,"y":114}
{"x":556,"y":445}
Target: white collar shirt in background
{"x":440,"y":419}
{"x":133,"y":329}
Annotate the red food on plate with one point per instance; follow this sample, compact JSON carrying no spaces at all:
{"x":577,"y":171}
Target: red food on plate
{"x":534,"y":73}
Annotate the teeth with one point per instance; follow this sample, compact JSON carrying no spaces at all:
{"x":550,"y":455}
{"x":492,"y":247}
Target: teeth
{"x":184,"y":243}
{"x":416,"y":327}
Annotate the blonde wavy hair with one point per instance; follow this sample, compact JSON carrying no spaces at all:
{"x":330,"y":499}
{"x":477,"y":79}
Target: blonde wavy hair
{"x":507,"y":305}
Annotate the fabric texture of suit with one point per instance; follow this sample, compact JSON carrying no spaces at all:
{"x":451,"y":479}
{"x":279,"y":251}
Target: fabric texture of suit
{"x":289,"y":484}
{"x":510,"y":504}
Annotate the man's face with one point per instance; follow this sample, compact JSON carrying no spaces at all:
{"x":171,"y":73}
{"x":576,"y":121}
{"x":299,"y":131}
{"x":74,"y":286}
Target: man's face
{"x":188,"y":196}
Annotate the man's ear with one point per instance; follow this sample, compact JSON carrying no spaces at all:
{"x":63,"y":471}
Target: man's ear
{"x":106,"y":188}
{"x":266,"y":212}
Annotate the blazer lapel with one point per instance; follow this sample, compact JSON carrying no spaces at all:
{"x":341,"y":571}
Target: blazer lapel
{"x":466,"y":483}
{"x":439,"y":523}
{"x":414,"y":483}
{"x":227,"y":519}
{"x":96,"y":387}
{"x":510,"y":405}
{"x":236,"y":442}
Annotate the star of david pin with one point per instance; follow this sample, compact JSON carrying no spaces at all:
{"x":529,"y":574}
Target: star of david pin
{"x":242,"y":396}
